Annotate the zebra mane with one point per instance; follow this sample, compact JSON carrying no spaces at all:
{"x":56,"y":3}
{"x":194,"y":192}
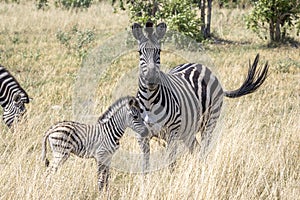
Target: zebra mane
{"x":115,"y":107}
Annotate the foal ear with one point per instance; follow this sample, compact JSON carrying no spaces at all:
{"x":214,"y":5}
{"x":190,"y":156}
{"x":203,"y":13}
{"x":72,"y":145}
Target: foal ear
{"x":137,"y":32}
{"x":133,"y":103}
{"x":161,"y":30}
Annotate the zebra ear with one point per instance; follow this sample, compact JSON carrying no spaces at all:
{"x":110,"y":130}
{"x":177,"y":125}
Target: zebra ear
{"x":137,"y":32}
{"x":133,"y":103}
{"x":136,"y":103}
{"x":130,"y":103}
{"x":160,"y":31}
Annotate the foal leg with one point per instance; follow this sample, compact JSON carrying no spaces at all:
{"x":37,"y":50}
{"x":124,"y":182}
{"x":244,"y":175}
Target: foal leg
{"x":59,"y":159}
{"x":103,"y":162}
{"x":145,"y":147}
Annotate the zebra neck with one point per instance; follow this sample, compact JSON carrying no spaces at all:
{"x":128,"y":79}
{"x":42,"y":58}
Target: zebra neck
{"x":145,"y":91}
{"x":4,"y":101}
{"x":114,"y":128}
{"x":4,"y":98}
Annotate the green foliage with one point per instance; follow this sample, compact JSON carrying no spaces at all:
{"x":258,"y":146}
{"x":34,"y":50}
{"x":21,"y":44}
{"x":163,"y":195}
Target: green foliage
{"x":71,"y":4}
{"x":272,"y":19}
{"x":66,"y":4}
{"x":76,"y":41}
{"x":42,"y":4}
{"x":180,"y":15}
{"x":234,"y":3}
{"x":11,"y":1}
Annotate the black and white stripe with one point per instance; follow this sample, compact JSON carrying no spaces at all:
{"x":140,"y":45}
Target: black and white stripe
{"x":187,"y":100}
{"x":99,"y":141}
{"x":12,"y":97}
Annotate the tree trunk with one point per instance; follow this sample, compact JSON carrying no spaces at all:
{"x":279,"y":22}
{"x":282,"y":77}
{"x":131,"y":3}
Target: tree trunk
{"x":209,"y":8}
{"x":203,"y":17}
{"x":277,"y":31}
{"x":154,"y":8}
{"x":271,"y":30}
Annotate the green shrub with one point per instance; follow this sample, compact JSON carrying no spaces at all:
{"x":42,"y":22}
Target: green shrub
{"x":180,"y":15}
{"x":71,"y":4}
{"x":66,"y":4}
{"x":42,"y":4}
{"x":76,"y":41}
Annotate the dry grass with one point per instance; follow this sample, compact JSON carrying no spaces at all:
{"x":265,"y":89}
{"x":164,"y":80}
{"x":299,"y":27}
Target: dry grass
{"x":257,"y":157}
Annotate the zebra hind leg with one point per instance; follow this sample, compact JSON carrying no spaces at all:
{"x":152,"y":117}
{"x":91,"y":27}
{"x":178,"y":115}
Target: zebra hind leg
{"x":58,"y":160}
{"x":209,"y":136}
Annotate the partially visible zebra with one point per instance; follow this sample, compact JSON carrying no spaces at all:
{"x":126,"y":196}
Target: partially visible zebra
{"x":187,"y":100}
{"x":99,"y":141}
{"x":12,"y":97}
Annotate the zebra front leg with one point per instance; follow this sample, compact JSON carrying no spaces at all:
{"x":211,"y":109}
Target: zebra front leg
{"x":145,"y":147}
{"x":192,"y":144}
{"x":172,"y":154}
{"x":103,"y":175}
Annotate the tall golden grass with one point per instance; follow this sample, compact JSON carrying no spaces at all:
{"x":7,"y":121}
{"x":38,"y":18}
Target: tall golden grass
{"x":256,"y":157}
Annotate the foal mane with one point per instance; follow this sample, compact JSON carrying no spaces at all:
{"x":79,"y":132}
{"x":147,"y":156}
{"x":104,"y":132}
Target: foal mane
{"x":114,"y":108}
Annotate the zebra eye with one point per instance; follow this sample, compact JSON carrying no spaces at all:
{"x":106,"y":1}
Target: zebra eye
{"x":17,"y":98}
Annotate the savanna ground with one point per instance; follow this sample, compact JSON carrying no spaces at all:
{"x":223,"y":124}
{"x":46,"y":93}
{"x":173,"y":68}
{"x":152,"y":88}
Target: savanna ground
{"x":256,"y":157}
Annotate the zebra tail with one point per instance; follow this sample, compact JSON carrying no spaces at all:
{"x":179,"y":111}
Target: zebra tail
{"x":254,"y":80}
{"x":44,"y":149}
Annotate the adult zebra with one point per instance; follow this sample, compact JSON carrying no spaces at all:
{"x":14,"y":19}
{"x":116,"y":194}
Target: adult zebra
{"x":12,"y":97}
{"x":99,"y":141}
{"x":187,"y":100}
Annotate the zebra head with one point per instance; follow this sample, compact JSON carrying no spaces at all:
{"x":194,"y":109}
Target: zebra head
{"x":15,"y":109}
{"x":134,"y":119}
{"x":149,"y":49}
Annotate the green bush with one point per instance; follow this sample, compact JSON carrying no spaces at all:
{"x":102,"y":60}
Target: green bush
{"x":42,"y":4}
{"x":76,"y":41}
{"x":180,"y":15}
{"x":66,"y":4}
{"x":71,"y":4}
{"x":273,"y":19}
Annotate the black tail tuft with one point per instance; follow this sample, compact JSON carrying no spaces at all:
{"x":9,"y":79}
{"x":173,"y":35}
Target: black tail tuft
{"x":255,"y":79}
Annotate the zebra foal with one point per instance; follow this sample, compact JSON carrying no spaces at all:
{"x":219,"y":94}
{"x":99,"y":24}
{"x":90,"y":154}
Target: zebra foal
{"x":12,"y":97}
{"x":186,"y":100}
{"x":99,"y":141}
